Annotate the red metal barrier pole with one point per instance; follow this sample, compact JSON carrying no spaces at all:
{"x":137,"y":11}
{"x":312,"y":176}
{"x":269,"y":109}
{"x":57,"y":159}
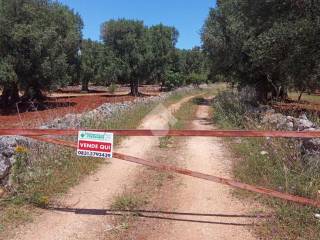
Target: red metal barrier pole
{"x":168,"y":168}
{"x":173,"y":133}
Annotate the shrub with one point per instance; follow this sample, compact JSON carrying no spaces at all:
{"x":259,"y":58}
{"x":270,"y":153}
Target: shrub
{"x":112,"y":88}
{"x":196,"y":78}
{"x":128,"y":202}
{"x":173,"y":80}
{"x":229,"y":110}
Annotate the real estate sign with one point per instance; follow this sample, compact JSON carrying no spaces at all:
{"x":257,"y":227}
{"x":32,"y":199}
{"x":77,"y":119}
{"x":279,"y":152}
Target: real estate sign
{"x":95,"y":144}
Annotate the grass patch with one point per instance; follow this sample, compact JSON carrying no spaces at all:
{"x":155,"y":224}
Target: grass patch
{"x":185,"y":113}
{"x":112,"y":88}
{"x":40,"y":173}
{"x":164,"y":142}
{"x":128,"y":202}
{"x":312,"y":98}
{"x":273,"y":163}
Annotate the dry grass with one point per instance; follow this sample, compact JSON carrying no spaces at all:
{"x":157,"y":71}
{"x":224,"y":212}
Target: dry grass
{"x":128,"y":202}
{"x":312,"y":98}
{"x":283,"y":168}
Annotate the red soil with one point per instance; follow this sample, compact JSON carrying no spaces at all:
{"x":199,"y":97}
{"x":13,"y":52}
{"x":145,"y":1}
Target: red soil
{"x":35,"y":115}
{"x":298,"y":107}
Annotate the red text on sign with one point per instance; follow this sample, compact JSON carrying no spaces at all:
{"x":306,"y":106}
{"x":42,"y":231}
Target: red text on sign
{"x":94,"y":146}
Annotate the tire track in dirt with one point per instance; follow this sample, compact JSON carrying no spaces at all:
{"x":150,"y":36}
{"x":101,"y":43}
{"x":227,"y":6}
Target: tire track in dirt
{"x":96,"y":191}
{"x":228,"y":218}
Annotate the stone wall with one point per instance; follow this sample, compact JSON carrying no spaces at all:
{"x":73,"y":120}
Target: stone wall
{"x":279,"y":121}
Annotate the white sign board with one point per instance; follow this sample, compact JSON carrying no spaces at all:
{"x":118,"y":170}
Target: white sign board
{"x":95,"y":144}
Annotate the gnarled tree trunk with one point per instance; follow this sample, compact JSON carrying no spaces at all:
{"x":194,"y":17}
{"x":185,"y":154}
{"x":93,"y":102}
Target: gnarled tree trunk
{"x":134,"y":85}
{"x":10,"y":95}
{"x":33,"y":92}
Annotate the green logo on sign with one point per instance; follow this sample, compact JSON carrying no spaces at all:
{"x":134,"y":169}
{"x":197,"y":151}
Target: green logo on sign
{"x":92,"y":135}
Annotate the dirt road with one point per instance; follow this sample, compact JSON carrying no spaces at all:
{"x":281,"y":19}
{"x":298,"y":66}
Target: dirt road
{"x":207,"y":155}
{"x":96,"y":191}
{"x":209,"y":210}
{"x":224,"y":216}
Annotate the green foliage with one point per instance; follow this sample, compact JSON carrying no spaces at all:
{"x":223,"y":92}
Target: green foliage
{"x":112,"y":88}
{"x":145,"y":54}
{"x":38,"y":49}
{"x":193,"y":65}
{"x":98,"y":64}
{"x":162,"y":40}
{"x":164,"y":142}
{"x":39,"y":52}
{"x":196,"y":78}
{"x":19,"y":171}
{"x":173,"y":80}
{"x":229,"y":110}
{"x":7,"y":74}
{"x":271,"y":45}
{"x":127,"y":39}
{"x":195,"y":61}
{"x":128,"y":202}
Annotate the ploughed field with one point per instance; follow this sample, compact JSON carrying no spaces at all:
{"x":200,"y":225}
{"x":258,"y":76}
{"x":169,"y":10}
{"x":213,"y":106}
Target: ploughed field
{"x":309,"y":103}
{"x":65,"y":101}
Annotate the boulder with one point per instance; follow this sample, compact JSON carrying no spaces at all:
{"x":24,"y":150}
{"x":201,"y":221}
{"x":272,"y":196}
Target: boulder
{"x":5,"y":166}
{"x":7,"y":154}
{"x":289,"y":123}
{"x":303,"y":116}
{"x":304,"y":123}
{"x":289,"y":126}
{"x":311,"y":146}
{"x":277,"y":120}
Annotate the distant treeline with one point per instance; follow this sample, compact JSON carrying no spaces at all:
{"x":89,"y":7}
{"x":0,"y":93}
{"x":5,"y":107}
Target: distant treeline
{"x":42,"y":49}
{"x":272,"y":45}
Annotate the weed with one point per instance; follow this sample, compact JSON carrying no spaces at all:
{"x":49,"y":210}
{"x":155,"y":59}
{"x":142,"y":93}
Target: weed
{"x":184,"y":114}
{"x":283,"y":168}
{"x":112,"y":88}
{"x":128,"y":202}
{"x":164,"y":142}
{"x":313,"y":98}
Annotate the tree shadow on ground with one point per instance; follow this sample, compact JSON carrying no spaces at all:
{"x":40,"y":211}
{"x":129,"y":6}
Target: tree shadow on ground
{"x":31,"y":106}
{"x":203,"y":101}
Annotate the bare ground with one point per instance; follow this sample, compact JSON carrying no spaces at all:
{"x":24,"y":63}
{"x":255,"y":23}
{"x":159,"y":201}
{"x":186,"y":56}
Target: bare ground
{"x":68,"y":100}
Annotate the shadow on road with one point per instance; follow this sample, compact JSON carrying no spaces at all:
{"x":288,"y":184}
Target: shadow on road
{"x":203,"y":101}
{"x":162,"y":215}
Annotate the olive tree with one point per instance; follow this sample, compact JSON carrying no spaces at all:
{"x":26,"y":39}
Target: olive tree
{"x":38,"y":50}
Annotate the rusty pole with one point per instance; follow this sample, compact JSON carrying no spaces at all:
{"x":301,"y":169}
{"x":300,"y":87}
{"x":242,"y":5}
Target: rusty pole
{"x":169,"y":168}
{"x":173,"y":133}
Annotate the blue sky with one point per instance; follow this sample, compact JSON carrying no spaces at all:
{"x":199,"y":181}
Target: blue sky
{"x":186,"y":15}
